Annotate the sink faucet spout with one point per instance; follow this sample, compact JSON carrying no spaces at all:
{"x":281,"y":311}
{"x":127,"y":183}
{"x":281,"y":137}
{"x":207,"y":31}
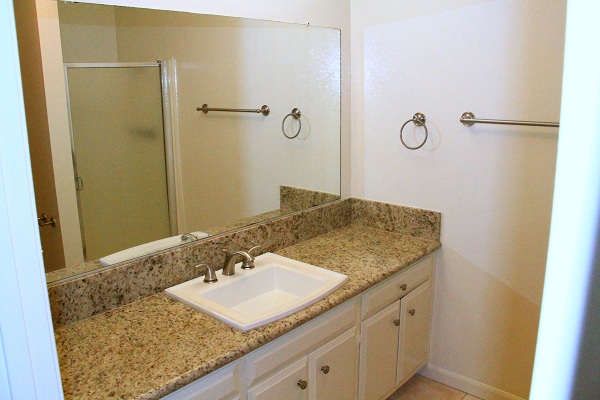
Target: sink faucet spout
{"x":230,"y":260}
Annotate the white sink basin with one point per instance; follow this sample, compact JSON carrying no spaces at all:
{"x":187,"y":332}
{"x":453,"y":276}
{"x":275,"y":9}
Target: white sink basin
{"x":276,"y":287}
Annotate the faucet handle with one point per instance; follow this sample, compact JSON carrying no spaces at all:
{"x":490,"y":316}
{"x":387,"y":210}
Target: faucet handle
{"x":209,"y":274}
{"x":252,"y":249}
{"x":248,"y":263}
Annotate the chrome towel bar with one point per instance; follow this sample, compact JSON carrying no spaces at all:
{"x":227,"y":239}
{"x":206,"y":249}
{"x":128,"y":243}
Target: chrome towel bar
{"x":264,"y":110}
{"x":468,"y":119}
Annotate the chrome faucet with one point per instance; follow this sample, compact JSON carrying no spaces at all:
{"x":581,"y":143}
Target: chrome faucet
{"x":230,"y":258}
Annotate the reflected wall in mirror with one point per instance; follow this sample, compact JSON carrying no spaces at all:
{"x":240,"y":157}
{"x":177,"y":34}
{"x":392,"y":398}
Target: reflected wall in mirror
{"x":139,"y":143}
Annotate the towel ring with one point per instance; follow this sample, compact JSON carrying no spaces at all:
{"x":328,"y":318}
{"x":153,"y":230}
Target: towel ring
{"x":419,"y":120}
{"x":296,"y":114}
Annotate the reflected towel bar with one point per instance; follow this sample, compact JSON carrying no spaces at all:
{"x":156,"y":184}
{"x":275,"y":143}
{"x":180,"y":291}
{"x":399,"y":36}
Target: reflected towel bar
{"x":468,"y":119}
{"x":264,"y":110}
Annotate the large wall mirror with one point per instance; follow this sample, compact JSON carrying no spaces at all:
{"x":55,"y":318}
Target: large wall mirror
{"x":148,"y":163}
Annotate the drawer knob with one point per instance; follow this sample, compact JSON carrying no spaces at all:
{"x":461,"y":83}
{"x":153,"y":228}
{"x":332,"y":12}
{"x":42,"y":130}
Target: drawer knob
{"x":325,"y":369}
{"x":411,"y":311}
{"x":302,"y":384}
{"x":404,"y":286}
{"x":397,"y":322}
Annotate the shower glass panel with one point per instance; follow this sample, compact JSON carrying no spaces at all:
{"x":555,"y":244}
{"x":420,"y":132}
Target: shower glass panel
{"x":119,"y":156}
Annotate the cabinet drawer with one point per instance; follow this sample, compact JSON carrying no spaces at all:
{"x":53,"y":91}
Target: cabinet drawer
{"x":260,"y":363}
{"x":224,"y":383}
{"x":394,"y":288}
{"x":284,"y":385}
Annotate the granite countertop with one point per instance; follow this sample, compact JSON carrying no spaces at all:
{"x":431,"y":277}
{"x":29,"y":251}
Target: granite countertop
{"x":150,"y":348}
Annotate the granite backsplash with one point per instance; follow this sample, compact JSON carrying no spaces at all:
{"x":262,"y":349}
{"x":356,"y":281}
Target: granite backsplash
{"x":82,"y":297}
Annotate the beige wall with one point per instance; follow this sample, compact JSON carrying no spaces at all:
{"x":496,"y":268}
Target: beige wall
{"x":493,"y":184}
{"x":232,"y":165}
{"x":88,"y":33}
{"x":329,"y":13}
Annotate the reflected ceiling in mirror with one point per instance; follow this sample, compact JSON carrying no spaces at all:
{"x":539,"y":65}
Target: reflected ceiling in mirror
{"x":148,"y":164}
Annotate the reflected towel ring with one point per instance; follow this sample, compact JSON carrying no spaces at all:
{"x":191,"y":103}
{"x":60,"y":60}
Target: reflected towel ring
{"x":419,"y":120}
{"x":296,"y":114}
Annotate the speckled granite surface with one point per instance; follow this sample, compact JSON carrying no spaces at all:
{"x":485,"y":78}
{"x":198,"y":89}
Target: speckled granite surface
{"x":294,"y":199}
{"x":104,"y":290}
{"x":155,"y":346}
{"x":69,"y":272}
{"x":399,"y":219}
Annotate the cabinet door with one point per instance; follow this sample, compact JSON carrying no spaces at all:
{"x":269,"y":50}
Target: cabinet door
{"x":333,"y":369}
{"x":291,"y":383}
{"x":415,"y":320}
{"x":270,"y":358}
{"x":379,"y":353}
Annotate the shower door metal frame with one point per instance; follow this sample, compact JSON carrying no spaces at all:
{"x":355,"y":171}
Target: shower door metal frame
{"x":169,"y":139}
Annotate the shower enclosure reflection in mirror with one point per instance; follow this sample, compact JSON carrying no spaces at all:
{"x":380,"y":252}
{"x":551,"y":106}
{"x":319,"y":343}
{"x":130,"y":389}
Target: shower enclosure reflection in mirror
{"x":122,"y":147}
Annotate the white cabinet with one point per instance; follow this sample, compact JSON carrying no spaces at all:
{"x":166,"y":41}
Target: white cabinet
{"x":394,"y":341}
{"x":379,"y":353}
{"x":289,"y":383}
{"x":301,"y":341}
{"x":329,"y":372}
{"x":415,"y":317}
{"x":395,"y":287}
{"x":226,"y":383}
{"x":332,"y":369}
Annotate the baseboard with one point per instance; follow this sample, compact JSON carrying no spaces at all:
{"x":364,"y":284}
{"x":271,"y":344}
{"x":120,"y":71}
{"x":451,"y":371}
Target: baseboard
{"x":465,"y":384}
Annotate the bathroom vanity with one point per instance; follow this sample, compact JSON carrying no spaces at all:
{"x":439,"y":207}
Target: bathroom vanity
{"x":362,"y":341}
{"x":368,"y":346}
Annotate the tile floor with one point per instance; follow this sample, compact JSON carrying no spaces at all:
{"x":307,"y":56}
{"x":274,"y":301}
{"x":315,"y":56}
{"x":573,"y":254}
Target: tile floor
{"x":421,"y":388}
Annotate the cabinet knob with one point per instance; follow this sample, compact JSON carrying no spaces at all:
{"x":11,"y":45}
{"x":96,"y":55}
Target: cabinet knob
{"x":404,"y":286}
{"x":302,"y":384}
{"x":397,"y":322}
{"x":325,"y":369}
{"x":411,"y":311}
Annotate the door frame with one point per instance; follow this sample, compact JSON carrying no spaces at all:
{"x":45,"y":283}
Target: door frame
{"x":28,"y":360}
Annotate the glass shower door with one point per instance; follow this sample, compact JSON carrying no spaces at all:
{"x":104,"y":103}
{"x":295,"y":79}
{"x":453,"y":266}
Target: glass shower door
{"x":119,"y":156}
